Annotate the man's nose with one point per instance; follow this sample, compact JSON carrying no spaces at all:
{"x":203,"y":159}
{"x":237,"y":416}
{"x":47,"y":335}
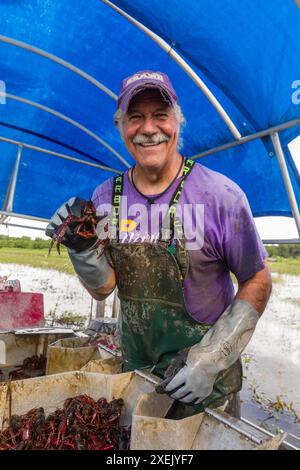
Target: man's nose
{"x":148,"y":126}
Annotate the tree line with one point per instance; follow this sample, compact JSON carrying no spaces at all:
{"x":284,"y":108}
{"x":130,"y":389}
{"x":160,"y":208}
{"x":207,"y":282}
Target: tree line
{"x":23,"y":242}
{"x":284,"y":251}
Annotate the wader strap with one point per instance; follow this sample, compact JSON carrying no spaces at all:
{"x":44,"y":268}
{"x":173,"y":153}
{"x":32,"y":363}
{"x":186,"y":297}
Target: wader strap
{"x":116,"y":203}
{"x":118,"y":191}
{"x":188,"y":166}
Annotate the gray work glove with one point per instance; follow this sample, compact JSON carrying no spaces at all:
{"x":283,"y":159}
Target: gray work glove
{"x":190,"y":379}
{"x":91,"y":269}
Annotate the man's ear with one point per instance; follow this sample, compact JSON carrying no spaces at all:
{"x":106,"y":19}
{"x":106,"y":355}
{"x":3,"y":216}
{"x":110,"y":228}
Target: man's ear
{"x":119,"y":127}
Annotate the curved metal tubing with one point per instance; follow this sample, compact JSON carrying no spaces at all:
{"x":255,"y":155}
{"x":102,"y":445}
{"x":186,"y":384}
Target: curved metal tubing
{"x":22,"y":216}
{"x":286,"y":179}
{"x":248,"y":138}
{"x":10,"y":196}
{"x":58,"y":60}
{"x":70,"y":121}
{"x":182,"y":63}
{"x":9,"y":224}
{"x":281,"y":241}
{"x":57,"y":154}
{"x":43,"y":137}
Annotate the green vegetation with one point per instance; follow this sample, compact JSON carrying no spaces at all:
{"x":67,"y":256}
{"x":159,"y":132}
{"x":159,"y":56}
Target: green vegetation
{"x":284,"y":251}
{"x":285,"y":266}
{"x":34,"y":253}
{"x":66,"y":319}
{"x":285,"y":259}
{"x":37,"y":258}
{"x":23,"y":242}
{"x":273,"y":407}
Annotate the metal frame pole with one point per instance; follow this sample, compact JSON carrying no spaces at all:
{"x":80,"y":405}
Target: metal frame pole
{"x":4,"y":215}
{"x":23,"y":216}
{"x":282,"y":241}
{"x":248,"y":138}
{"x":10,"y":195}
{"x":57,"y":154}
{"x":183,"y":64}
{"x":58,"y":60}
{"x":9,"y":224}
{"x":286,"y":179}
{"x":69,"y":120}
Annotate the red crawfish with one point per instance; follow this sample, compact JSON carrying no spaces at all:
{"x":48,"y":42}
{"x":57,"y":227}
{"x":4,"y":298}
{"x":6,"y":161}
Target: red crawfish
{"x":85,"y":227}
{"x":33,"y":366}
{"x":92,"y":426}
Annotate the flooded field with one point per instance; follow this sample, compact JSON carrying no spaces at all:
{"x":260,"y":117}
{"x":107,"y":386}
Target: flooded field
{"x":64,"y":296}
{"x":271,"y":361}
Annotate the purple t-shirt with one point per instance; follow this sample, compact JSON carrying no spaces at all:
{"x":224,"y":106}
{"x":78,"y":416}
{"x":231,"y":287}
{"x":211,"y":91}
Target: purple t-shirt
{"x":219,"y":227}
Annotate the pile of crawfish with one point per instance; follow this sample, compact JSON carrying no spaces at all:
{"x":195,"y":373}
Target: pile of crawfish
{"x":82,"y":424}
{"x":34,"y":366}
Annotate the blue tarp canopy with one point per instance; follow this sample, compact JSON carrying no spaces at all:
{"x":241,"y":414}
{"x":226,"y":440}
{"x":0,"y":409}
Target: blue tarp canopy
{"x":61,"y":63}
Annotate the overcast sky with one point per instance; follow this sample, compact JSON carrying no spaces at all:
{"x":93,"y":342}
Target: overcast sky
{"x":268,"y":227}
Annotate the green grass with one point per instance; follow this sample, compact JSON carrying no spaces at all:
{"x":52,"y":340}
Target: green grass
{"x":37,"y":258}
{"x":286,"y":266}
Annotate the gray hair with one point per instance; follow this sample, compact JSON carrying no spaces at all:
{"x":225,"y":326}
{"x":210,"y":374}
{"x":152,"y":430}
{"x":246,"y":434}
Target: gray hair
{"x":118,"y":117}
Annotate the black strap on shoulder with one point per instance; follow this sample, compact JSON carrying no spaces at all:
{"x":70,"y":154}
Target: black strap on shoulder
{"x":116,"y":203}
{"x":118,"y":192}
{"x":188,"y":166}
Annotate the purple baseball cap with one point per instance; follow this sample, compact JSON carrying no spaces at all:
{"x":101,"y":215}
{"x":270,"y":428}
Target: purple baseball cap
{"x":143,"y":80}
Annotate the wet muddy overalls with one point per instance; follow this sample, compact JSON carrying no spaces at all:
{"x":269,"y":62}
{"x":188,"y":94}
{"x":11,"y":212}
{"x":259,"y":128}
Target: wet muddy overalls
{"x":154,"y":322}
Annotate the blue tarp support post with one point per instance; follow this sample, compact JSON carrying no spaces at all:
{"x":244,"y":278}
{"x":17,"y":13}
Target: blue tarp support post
{"x":10,"y":195}
{"x":286,"y":178}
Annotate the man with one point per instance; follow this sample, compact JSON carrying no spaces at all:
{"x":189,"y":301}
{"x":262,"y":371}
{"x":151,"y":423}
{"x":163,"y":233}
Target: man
{"x":179,"y":230}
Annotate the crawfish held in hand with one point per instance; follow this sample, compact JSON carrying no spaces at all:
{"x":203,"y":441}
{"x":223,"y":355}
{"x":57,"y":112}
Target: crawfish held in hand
{"x":85,"y":227}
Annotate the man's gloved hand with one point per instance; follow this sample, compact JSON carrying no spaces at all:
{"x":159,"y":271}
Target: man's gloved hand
{"x":93,"y":270}
{"x":73,"y":207}
{"x":188,"y":384}
{"x":218,"y":350}
{"x":176,"y":365}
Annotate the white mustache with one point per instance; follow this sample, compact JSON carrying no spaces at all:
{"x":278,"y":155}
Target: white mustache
{"x":150,"y":139}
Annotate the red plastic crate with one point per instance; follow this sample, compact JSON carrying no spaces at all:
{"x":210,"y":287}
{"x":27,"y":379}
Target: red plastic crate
{"x":21,"y":309}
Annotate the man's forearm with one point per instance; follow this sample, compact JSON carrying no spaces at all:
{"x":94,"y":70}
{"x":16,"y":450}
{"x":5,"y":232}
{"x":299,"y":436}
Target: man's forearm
{"x":102,"y":292}
{"x":222,"y":345}
{"x":257,"y":290}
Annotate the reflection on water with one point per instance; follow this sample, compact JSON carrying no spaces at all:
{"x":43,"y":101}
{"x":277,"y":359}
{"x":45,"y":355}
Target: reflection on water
{"x":271,"y":362}
{"x":271,"y":421}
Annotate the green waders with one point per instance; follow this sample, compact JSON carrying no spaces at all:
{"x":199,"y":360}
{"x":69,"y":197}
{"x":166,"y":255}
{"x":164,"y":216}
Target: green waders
{"x":154,"y":321}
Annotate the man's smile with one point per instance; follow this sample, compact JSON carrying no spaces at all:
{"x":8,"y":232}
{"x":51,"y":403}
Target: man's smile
{"x":149,"y":144}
